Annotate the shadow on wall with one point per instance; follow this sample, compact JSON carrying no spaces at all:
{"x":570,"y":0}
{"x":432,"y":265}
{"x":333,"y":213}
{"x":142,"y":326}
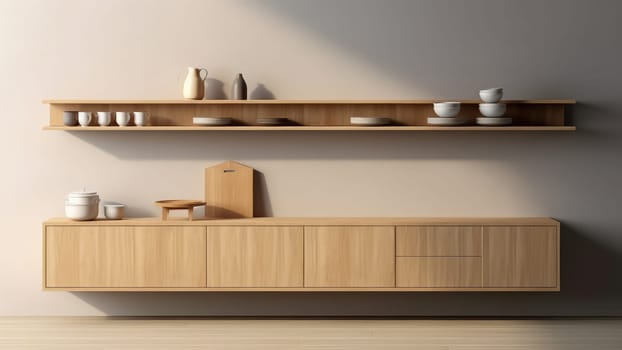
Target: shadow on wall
{"x":262,"y":206}
{"x":589,"y":271}
{"x":428,"y":42}
{"x":214,"y":89}
{"x":333,"y":145}
{"x":261,"y":92}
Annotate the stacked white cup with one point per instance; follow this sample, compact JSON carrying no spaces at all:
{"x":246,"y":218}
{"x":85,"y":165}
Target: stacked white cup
{"x":491,"y":109}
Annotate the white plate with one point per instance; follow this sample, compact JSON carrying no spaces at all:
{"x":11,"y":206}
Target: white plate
{"x":446,"y":121}
{"x":370,"y":121}
{"x":494,"y":121}
{"x":275,"y":121}
{"x":211,"y":121}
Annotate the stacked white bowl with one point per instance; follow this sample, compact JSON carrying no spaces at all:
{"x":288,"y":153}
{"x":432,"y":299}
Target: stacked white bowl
{"x":82,"y":206}
{"x":491,"y":109}
{"x":447,"y":114}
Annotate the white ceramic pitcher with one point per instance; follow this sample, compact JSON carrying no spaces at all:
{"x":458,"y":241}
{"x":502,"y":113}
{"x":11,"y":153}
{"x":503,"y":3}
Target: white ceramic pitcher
{"x":194,"y":85}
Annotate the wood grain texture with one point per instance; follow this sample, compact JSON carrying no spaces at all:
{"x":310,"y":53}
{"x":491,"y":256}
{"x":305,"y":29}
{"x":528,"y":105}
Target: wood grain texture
{"x":354,"y":256}
{"x":430,"y":272}
{"x":438,"y":240}
{"x":108,"y":257}
{"x":343,"y":254}
{"x":521,"y":256}
{"x":247,"y":256}
{"x":158,"y":333}
{"x":229,"y":190}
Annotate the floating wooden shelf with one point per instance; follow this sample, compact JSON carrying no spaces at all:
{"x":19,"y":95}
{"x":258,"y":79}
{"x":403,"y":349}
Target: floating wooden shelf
{"x":309,"y":115}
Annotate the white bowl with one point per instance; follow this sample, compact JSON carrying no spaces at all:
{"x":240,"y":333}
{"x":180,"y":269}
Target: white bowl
{"x":491,"y":95}
{"x":114,"y":211}
{"x":492,"y":109}
{"x":447,"y":109}
{"x":81,"y":212}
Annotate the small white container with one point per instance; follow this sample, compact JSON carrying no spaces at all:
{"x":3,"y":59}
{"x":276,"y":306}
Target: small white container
{"x":81,"y":212}
{"x":82,"y":205}
{"x":492,"y":109}
{"x":114,"y":211}
{"x":493,"y":95}
{"x":447,"y":109}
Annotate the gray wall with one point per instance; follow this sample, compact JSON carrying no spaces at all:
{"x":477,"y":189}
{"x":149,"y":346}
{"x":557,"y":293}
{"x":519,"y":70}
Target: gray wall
{"x":321,"y":50}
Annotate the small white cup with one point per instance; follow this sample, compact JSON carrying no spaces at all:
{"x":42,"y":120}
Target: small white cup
{"x":104,"y":118}
{"x":84,"y":118}
{"x":123,"y":118}
{"x":114,"y":211}
{"x":141,"y":118}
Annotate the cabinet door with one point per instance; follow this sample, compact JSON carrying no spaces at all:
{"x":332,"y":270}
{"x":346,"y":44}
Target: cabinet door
{"x":349,"y":256}
{"x":124,"y":257}
{"x":254,"y":256}
{"x":521,"y":256}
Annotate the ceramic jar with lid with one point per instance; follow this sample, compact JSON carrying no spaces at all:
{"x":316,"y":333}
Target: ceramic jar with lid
{"x":82,"y":206}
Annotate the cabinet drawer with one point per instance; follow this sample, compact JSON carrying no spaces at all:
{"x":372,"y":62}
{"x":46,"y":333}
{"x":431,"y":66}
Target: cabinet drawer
{"x":448,"y":272}
{"x":254,"y":256}
{"x":439,"y":241}
{"x":124,"y":257}
{"x":349,"y":256}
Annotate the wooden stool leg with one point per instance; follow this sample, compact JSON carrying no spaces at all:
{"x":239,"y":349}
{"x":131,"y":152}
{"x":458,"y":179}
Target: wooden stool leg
{"x":164,"y":214}
{"x":190,"y":213}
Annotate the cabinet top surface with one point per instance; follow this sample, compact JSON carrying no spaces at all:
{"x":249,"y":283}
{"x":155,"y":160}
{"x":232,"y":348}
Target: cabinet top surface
{"x":315,"y":221}
{"x":291,"y":102}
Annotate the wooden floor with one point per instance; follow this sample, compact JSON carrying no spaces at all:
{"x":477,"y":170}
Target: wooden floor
{"x":325,"y":334}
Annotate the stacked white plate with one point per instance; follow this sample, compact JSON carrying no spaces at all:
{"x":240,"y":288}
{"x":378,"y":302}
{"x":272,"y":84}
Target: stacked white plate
{"x":370,"y":121}
{"x":211,"y":121}
{"x":494,"y":121}
{"x":272,"y":121}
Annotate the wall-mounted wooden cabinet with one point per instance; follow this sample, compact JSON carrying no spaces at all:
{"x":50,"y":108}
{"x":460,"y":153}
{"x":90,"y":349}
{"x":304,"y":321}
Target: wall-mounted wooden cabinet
{"x":307,"y":254}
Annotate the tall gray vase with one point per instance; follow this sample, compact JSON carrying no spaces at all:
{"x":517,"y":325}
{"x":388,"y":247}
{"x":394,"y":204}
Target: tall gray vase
{"x":239,"y":88}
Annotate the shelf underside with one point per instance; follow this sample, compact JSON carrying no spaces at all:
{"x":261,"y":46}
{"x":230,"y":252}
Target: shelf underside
{"x":292,"y":102}
{"x":309,"y":128}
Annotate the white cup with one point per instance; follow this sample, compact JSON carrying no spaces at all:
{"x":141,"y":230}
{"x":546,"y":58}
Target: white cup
{"x":123,"y":118}
{"x":84,"y":118}
{"x":104,"y":118}
{"x":141,"y":118}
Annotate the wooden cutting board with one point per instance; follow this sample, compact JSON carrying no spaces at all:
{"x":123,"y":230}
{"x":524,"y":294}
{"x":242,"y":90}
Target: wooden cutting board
{"x":229,"y":190}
